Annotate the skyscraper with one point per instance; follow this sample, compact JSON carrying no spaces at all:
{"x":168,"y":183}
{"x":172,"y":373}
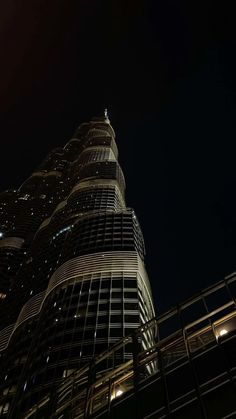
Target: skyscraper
{"x":73,"y":280}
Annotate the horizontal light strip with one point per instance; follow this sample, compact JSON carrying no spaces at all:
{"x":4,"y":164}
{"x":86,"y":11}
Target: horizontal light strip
{"x":46,"y":174}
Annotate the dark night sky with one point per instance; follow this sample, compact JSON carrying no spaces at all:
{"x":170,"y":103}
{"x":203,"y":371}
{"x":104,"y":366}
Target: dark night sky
{"x":166,"y":72}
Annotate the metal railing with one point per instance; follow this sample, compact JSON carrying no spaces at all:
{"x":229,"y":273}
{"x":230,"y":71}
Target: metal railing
{"x":108,"y":377}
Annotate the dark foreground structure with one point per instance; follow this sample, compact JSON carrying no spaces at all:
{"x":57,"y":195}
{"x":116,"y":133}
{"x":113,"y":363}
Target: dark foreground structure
{"x":79,"y":337}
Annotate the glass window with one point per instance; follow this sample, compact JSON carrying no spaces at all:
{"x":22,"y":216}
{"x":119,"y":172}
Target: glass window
{"x":116,"y":294}
{"x":86,"y":286}
{"x":87,"y":350}
{"x":104,"y":307}
{"x":102,"y":333}
{"x":116,"y":318}
{"x":93,"y":297}
{"x":130,"y":294}
{"x":117,"y":283}
{"x":116,"y":332}
{"x":131,"y":306}
{"x":130,"y":283}
{"x":116,"y":306}
{"x":84,"y":298}
{"x":89,"y":334}
{"x":92,"y":308}
{"x":105,"y":296}
{"x":91,"y":320}
{"x":105,"y":283}
{"x":131,"y":318}
{"x":95,"y":285}
{"x":103,"y":319}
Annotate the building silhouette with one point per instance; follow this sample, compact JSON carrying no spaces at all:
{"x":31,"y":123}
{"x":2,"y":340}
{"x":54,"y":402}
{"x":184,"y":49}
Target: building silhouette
{"x":79,"y":337}
{"x":73,"y":280}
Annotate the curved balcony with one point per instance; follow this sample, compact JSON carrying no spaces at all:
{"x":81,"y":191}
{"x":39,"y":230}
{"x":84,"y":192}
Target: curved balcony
{"x":76,"y":268}
{"x":13,"y":242}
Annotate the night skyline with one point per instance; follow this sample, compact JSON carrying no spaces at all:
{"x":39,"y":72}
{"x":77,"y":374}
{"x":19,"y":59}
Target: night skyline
{"x":167,"y":80}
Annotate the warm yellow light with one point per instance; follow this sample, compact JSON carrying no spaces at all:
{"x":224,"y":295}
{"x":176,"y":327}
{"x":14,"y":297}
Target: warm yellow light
{"x":116,"y":393}
{"x":223,"y":332}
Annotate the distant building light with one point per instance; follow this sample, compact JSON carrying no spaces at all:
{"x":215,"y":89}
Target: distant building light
{"x":68,"y":228}
{"x":24,"y":197}
{"x":1,"y":234}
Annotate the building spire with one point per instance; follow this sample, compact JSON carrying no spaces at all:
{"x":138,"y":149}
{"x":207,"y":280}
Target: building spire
{"x":106,"y":115}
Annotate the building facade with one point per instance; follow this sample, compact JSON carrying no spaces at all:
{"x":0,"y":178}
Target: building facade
{"x":73,"y":280}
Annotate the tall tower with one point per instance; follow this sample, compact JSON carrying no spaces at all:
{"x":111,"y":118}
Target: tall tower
{"x":72,"y":257}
